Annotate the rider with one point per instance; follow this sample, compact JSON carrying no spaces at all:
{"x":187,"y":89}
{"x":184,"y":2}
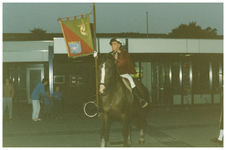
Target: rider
{"x":125,"y":66}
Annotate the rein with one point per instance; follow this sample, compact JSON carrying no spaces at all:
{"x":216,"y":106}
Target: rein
{"x":112,"y":79}
{"x":107,"y":85}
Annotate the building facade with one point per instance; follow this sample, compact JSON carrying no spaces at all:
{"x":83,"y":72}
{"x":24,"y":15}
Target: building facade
{"x":175,"y":71}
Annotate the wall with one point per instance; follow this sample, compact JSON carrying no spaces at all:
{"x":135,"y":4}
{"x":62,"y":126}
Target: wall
{"x":26,"y":51}
{"x":138,"y":45}
{"x":77,"y":94}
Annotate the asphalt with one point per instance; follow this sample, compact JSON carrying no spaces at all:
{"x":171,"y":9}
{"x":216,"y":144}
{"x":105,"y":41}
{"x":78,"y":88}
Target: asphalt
{"x":176,"y":126}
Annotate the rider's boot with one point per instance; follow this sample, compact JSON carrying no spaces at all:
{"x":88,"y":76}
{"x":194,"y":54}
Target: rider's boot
{"x":142,"y":102}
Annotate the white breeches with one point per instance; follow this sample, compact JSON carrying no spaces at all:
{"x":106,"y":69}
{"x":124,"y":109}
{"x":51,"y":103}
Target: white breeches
{"x":130,"y":79}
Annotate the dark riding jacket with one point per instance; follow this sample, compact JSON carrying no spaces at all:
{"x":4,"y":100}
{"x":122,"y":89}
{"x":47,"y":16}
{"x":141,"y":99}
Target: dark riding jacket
{"x":124,"y":62}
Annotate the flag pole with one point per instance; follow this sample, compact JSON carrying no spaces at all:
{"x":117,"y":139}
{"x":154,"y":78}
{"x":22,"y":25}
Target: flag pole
{"x":95,"y":49}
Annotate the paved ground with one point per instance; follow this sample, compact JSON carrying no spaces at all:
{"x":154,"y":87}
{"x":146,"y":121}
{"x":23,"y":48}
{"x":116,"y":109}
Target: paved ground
{"x":177,"y":127}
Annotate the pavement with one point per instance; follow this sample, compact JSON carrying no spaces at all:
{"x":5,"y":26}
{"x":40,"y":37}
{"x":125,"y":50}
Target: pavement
{"x":176,"y":126}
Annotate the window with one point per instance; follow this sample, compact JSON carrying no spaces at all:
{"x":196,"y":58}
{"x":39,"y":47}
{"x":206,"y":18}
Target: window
{"x":201,"y":81}
{"x":22,"y":77}
{"x":176,"y":78}
{"x":59,"y":79}
{"x":216,"y":87}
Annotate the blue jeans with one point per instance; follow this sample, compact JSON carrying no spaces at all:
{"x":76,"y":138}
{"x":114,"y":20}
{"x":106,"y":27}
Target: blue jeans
{"x":7,"y":101}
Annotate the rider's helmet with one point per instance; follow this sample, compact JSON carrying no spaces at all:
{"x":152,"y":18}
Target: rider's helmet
{"x":116,"y":40}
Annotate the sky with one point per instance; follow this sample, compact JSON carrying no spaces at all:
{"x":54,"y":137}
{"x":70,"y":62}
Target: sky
{"x":113,"y":17}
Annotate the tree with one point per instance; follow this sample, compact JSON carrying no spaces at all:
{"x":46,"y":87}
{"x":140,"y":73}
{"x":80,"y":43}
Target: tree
{"x":192,"y":31}
{"x":38,"y":31}
{"x":38,"y":34}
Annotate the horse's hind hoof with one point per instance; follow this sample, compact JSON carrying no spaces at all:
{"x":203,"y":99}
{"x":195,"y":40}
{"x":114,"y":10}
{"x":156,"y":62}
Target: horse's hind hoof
{"x":141,"y":142}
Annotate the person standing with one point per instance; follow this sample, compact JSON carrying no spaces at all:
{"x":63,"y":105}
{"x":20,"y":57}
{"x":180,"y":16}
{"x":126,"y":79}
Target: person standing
{"x":8,"y":92}
{"x":57,"y":97}
{"x":37,"y":92}
{"x":125,"y":66}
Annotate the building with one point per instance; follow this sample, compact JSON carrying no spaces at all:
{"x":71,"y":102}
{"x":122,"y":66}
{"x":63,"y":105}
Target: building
{"x":175,"y":71}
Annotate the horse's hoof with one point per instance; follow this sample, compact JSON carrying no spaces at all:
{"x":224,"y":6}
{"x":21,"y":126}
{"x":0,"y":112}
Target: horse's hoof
{"x":141,"y":142}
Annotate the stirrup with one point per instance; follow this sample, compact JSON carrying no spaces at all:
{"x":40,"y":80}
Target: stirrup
{"x":142,"y":100}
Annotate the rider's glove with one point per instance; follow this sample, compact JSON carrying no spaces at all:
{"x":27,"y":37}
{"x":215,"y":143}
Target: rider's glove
{"x":95,"y":54}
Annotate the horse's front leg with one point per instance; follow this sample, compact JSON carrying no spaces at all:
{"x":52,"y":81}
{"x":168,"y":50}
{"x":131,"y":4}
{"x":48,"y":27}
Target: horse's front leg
{"x":104,"y":129}
{"x":126,"y":132}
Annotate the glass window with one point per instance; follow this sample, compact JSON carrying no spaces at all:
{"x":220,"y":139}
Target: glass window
{"x":136,"y":65}
{"x":186,"y":83}
{"x":146,"y":76}
{"x":176,"y":78}
{"x":204,"y":78}
{"x":201,"y":81}
{"x":216,"y":78}
{"x":22,"y":78}
{"x":186,"y":78}
{"x":195,"y":78}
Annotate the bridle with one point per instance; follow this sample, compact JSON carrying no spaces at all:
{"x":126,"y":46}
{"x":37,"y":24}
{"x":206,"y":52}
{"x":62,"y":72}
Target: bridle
{"x":107,"y":85}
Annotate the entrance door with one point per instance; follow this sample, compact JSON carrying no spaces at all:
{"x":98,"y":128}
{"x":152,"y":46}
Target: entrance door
{"x":34,"y":77}
{"x":160,"y":77}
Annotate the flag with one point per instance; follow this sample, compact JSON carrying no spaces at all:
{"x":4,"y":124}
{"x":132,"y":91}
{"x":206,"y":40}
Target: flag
{"x":77,"y":36}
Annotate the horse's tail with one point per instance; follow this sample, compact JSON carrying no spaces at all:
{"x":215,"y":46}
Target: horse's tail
{"x":140,"y":115}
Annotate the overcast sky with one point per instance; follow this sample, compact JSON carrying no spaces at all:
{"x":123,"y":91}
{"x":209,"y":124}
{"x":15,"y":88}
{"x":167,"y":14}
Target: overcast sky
{"x":113,"y":17}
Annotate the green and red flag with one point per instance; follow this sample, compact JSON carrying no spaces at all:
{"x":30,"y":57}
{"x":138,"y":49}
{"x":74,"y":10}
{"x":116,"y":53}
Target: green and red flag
{"x":77,"y":36}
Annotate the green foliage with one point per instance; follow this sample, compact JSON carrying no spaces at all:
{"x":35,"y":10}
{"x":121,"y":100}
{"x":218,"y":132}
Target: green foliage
{"x":38,"y":31}
{"x":192,"y":31}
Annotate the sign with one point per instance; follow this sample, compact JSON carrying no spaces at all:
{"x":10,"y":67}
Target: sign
{"x":75,"y":80}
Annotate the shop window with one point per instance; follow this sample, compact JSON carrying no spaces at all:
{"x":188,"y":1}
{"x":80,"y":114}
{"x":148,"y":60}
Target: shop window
{"x":186,"y":83}
{"x":201,"y":83}
{"x":22,"y":75}
{"x":216,"y":87}
{"x":176,"y":78}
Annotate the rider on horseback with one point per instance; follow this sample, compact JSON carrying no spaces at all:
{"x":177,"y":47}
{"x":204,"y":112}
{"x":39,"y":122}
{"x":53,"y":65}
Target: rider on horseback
{"x":125,"y":66}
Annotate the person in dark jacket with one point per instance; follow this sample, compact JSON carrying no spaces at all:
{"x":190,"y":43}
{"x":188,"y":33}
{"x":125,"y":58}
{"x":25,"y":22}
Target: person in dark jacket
{"x":47,"y":100}
{"x":57,"y":97}
{"x":8,"y":92}
{"x":125,"y":66}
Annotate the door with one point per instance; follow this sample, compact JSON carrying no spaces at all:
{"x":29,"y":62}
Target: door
{"x":34,"y":77}
{"x":160,"y":80}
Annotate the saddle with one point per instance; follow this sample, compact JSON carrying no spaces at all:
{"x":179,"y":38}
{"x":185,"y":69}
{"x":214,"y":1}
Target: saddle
{"x":127,"y":84}
{"x":140,"y":89}
{"x":137,"y":83}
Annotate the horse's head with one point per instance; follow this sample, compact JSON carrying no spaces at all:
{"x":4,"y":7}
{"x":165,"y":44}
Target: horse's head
{"x":107,"y":73}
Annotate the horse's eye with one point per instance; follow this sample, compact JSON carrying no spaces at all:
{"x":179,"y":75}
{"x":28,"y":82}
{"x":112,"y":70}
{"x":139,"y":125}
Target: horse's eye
{"x":110,"y":69}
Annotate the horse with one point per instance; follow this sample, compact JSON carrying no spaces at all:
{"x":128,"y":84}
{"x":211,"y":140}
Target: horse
{"x":116,"y":102}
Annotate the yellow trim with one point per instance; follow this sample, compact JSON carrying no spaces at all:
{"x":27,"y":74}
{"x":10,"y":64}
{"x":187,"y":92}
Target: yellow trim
{"x":64,"y":38}
{"x":81,"y":55}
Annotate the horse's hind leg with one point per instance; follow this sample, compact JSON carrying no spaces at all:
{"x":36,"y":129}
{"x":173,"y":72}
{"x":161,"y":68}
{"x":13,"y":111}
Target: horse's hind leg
{"x":141,"y":141}
{"x":129,"y":136}
{"x":126,"y":130}
{"x":104,"y":129}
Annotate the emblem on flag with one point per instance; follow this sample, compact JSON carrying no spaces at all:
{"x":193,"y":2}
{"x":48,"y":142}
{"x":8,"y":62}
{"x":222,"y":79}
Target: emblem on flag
{"x":75,"y":47}
{"x":77,"y":36}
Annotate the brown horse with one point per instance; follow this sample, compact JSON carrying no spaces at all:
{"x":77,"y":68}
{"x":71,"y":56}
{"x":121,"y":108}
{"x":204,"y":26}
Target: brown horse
{"x":116,"y":102}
